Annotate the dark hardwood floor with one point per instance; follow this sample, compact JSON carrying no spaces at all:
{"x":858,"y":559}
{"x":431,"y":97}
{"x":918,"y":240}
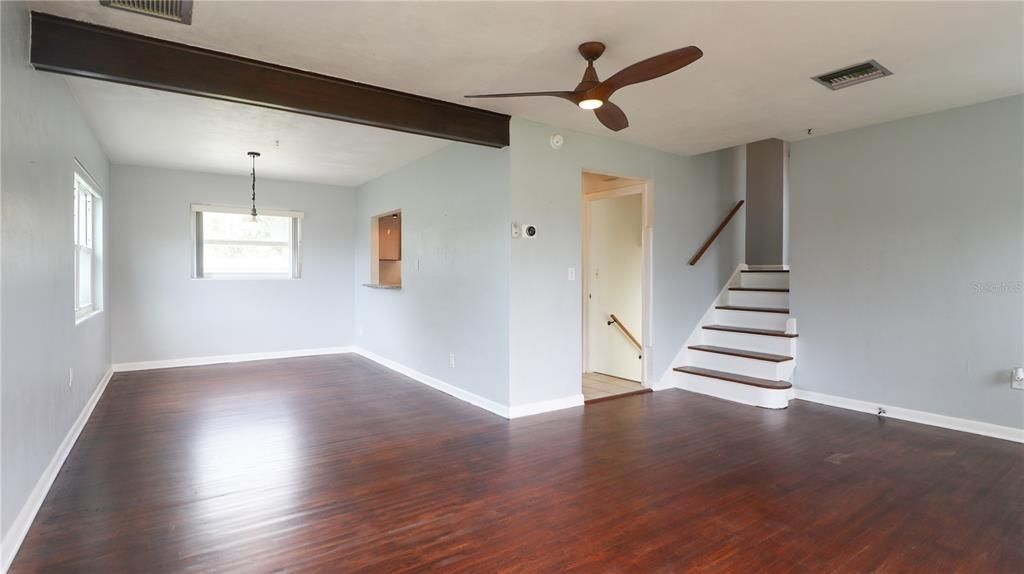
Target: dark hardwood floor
{"x":335,"y":464}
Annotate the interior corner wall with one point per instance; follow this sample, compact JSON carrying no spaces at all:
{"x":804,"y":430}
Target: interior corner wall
{"x":690,"y":196}
{"x":163,"y":314}
{"x":44,"y":133}
{"x":908,"y":262}
{"x":767,"y":204}
{"x":454,"y":298}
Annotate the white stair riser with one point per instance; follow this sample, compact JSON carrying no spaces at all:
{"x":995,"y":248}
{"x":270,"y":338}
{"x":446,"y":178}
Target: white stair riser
{"x":761,"y":343}
{"x":738,"y":365}
{"x":759,"y":299}
{"x":752,"y":319}
{"x":765,"y":280}
{"x":746,"y":394}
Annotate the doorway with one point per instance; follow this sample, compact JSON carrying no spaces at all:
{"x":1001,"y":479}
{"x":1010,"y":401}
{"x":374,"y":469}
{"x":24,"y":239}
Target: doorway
{"x":615,"y":270}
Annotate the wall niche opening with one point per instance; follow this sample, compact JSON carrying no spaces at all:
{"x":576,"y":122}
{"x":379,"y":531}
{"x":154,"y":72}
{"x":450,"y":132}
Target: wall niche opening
{"x":386,"y":250}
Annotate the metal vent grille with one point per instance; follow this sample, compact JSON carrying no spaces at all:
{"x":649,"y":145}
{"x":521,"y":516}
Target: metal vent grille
{"x":852,"y":75}
{"x":173,"y":10}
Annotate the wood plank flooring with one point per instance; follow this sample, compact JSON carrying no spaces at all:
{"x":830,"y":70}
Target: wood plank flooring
{"x":601,"y":386}
{"x":335,"y":464}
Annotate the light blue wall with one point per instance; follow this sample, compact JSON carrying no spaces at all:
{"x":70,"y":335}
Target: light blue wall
{"x":907,"y":250}
{"x":455,"y":217}
{"x":690,"y":197}
{"x":505,"y":307}
{"x":162,"y":313}
{"x":43,"y":134}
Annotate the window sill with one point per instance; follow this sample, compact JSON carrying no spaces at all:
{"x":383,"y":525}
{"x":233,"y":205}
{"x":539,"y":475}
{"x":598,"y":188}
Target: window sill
{"x":247,"y":278}
{"x":79,"y":319}
{"x":382,"y":286}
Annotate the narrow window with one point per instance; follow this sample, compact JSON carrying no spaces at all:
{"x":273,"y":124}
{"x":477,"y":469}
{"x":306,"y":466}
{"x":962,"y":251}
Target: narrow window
{"x":88,"y":272}
{"x":229,"y":244}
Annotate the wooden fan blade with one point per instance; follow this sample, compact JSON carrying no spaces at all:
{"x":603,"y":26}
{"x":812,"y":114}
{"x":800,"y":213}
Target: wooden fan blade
{"x":648,"y":69}
{"x":612,"y":116}
{"x":571,"y":96}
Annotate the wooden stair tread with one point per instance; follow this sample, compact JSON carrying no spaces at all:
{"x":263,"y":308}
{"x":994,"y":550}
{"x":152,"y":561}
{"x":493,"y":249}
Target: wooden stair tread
{"x":758,"y":309}
{"x":765,"y":289}
{"x":764,"y":271}
{"x":742,"y":353}
{"x":750,"y":331}
{"x":734,"y":378}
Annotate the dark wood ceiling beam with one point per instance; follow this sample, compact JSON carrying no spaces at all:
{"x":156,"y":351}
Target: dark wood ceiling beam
{"x":80,"y":49}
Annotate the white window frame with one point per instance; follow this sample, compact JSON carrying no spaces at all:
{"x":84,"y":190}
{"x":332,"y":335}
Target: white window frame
{"x":295,"y":242}
{"x":84,"y":184}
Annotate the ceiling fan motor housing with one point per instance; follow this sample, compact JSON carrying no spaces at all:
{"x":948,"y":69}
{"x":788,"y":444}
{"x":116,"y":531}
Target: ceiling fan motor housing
{"x":591,"y":50}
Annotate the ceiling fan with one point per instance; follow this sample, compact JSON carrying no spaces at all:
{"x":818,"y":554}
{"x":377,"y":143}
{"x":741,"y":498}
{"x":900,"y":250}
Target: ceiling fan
{"x":592,"y":94}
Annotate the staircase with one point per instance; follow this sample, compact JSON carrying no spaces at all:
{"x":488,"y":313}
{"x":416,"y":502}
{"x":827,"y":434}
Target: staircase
{"x":745,"y":348}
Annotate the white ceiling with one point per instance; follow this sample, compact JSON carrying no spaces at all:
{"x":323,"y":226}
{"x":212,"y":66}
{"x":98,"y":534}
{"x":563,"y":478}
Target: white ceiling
{"x":752,"y":83}
{"x":138,"y":126}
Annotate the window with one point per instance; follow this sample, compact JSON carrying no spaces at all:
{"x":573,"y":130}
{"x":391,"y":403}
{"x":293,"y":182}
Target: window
{"x":88,"y":272}
{"x":229,"y":244}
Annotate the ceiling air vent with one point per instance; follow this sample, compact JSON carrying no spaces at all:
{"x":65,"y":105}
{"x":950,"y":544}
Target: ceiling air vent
{"x":852,"y":75}
{"x":173,"y":10}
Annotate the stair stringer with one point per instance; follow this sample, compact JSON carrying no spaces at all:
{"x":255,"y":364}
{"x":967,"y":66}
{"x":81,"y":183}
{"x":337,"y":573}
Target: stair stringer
{"x":727,"y":390}
{"x":670,"y":379}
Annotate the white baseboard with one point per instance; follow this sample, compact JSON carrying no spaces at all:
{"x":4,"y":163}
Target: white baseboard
{"x":538,"y":407}
{"x":471,"y":398}
{"x":944,"y":421}
{"x":19,"y":528}
{"x":216,"y":359}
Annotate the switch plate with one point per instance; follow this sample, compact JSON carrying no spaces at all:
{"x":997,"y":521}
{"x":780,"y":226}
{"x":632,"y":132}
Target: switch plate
{"x":517,"y":230}
{"x":572,"y":274}
{"x":1017,"y":378}
{"x":451,"y":360}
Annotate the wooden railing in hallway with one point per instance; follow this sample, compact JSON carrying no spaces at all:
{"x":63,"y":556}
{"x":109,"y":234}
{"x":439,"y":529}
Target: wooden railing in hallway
{"x":718,"y":231}
{"x":615,"y":321}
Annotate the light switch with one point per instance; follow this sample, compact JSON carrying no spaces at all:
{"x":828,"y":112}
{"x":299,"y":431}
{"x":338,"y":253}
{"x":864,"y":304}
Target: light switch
{"x":572,"y":274}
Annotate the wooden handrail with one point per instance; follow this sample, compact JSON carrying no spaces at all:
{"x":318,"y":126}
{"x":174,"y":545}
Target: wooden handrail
{"x":714,"y":236}
{"x":615,"y":320}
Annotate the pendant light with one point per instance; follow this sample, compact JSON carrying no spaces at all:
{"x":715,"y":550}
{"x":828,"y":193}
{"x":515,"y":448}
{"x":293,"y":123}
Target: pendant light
{"x":255,"y":216}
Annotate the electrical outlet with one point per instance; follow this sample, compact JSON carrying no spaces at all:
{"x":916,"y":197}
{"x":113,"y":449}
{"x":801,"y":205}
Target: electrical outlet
{"x":1017,"y":378}
{"x":572,"y":274}
{"x":451,"y":360}
{"x":71,"y":377}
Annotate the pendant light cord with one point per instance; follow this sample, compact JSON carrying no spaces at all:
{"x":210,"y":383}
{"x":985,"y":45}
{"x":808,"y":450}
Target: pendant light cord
{"x":253,"y":155}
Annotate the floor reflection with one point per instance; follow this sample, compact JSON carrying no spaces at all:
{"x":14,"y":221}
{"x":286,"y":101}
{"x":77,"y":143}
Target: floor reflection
{"x":246,"y":470}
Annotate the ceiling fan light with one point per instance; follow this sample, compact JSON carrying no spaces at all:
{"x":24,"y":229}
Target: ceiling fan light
{"x":591,"y":104}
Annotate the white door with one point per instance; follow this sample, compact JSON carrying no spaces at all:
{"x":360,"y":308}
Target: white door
{"x":615,"y":285}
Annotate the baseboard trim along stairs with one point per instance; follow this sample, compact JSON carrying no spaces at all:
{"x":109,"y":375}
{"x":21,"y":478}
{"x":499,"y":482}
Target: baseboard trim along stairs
{"x":744,"y":349}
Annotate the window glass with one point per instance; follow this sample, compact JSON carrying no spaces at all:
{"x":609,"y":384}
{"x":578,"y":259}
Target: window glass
{"x":234,"y":245}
